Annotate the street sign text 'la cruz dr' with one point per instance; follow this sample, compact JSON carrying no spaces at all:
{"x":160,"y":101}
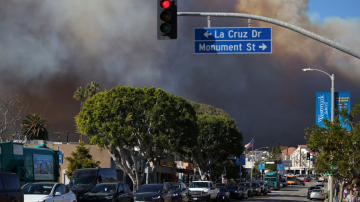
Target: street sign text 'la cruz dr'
{"x":233,"y":40}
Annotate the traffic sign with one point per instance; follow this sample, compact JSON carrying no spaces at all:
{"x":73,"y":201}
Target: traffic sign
{"x":270,"y":162}
{"x":233,"y":40}
{"x":224,"y":180}
{"x":312,"y":159}
{"x":231,"y":157}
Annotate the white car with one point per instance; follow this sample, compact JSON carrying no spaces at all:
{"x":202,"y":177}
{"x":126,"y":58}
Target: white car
{"x":47,"y":191}
{"x":320,"y":183}
{"x":317,"y":194}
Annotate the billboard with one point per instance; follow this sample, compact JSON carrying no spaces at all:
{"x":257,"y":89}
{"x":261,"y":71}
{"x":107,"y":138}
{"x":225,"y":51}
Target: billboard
{"x":323,"y":105}
{"x":43,"y":167}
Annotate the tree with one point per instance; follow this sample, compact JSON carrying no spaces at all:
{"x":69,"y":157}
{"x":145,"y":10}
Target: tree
{"x":34,"y":127}
{"x":338,"y":149}
{"x":80,"y":94}
{"x":80,"y":159}
{"x":143,"y":125}
{"x":12,"y":108}
{"x":218,"y":138}
{"x":92,"y":88}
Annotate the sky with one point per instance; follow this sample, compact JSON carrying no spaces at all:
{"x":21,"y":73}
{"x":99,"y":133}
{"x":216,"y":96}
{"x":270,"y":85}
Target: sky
{"x":49,"y":48}
{"x":322,"y":9}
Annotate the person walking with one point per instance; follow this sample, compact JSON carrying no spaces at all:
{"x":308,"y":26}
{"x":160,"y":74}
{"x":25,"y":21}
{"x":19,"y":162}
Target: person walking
{"x":356,"y":192}
{"x":345,"y":192}
{"x":351,"y":197}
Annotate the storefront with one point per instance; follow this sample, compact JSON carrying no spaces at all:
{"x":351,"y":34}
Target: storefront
{"x":165,"y":170}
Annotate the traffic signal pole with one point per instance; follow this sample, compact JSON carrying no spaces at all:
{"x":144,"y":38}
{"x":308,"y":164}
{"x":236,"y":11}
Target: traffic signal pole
{"x":275,"y":22}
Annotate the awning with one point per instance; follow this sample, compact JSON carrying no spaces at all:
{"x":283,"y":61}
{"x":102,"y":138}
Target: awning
{"x":184,"y":171}
{"x":172,"y":176}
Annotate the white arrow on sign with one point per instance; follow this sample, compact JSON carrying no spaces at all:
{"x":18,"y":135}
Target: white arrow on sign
{"x":263,"y":46}
{"x":207,"y":34}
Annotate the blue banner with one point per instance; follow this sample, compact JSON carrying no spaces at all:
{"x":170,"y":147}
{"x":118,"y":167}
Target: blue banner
{"x":60,"y":157}
{"x":241,"y":160}
{"x":342,"y":97}
{"x":261,"y":166}
{"x":323,"y":107}
{"x":279,"y":167}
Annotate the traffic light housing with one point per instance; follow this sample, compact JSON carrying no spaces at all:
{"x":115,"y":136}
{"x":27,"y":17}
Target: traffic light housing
{"x":308,"y":156}
{"x":166,"y":19}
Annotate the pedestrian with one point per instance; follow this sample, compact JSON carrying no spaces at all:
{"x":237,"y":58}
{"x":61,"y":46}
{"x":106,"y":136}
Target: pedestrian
{"x":351,"y":197}
{"x":356,"y":192}
{"x":345,"y":192}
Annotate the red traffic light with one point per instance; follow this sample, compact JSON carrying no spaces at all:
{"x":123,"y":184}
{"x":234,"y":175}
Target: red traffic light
{"x":165,"y":4}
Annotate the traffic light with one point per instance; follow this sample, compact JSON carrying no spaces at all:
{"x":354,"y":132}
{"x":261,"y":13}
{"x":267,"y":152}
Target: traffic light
{"x":166,"y":19}
{"x":308,"y":156}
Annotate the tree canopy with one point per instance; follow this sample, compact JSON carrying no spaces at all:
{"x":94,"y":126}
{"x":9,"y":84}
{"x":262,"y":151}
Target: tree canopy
{"x":79,"y":159}
{"x":338,"y":149}
{"x":218,"y":137}
{"x":141,"y":124}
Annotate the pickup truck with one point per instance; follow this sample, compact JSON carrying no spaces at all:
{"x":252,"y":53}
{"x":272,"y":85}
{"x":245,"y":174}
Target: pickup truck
{"x":204,"y":191}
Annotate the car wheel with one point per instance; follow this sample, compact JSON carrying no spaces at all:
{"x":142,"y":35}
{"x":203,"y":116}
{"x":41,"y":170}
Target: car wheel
{"x":208,"y":200}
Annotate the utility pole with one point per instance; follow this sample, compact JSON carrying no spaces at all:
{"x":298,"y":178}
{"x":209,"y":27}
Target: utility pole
{"x":58,"y":133}
{"x":67,"y":136}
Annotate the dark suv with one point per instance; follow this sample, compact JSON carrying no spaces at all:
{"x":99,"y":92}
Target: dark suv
{"x":10,"y":188}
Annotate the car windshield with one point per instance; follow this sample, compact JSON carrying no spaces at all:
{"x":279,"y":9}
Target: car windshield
{"x":232,"y":187}
{"x":82,"y":182}
{"x":254,"y":184}
{"x":175,"y":186}
{"x":222,"y":189}
{"x":317,"y":190}
{"x":261,"y":183}
{"x":290,"y":178}
{"x":242,"y":188}
{"x":270,"y":179}
{"x":104,"y":188}
{"x":38,"y":189}
{"x":150,"y":188}
{"x":245,"y":184}
{"x":199,"y":185}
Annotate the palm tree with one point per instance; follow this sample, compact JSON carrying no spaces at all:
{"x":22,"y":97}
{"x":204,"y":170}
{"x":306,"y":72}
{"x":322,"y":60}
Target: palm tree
{"x":34,"y":127}
{"x":92,"y":88}
{"x":80,"y":94}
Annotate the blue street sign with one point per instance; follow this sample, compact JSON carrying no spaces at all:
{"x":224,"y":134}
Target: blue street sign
{"x":233,"y":40}
{"x":312,"y":159}
{"x":238,"y":161}
{"x":60,"y":157}
{"x":279,"y":167}
{"x":243,"y":157}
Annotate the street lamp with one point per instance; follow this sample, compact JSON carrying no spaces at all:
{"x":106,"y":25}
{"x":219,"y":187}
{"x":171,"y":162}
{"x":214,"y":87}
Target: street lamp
{"x":256,"y":156}
{"x":332,"y":77}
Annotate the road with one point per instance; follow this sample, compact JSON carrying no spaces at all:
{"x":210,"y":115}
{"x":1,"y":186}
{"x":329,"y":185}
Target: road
{"x":289,"y":193}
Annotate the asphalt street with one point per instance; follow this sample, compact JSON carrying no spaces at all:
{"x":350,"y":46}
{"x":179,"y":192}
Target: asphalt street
{"x":289,"y":193}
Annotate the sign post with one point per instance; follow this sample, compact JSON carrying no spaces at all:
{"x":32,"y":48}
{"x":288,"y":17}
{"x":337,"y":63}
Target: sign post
{"x":235,"y":40}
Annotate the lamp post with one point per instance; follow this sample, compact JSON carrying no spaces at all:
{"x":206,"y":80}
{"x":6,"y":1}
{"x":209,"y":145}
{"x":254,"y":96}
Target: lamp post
{"x":332,"y":77}
{"x":256,"y":157}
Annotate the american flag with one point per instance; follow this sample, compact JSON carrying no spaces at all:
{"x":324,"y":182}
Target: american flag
{"x":250,"y":144}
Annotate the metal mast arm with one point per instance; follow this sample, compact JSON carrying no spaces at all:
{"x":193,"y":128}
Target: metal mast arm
{"x":276,"y":22}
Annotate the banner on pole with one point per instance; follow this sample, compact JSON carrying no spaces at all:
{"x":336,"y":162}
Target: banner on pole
{"x":323,"y":106}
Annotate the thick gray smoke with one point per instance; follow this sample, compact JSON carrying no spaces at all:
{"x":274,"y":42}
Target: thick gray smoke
{"x":49,"y":48}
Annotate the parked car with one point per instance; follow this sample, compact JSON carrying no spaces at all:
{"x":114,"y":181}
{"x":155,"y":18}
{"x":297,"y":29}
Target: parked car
{"x":83,"y":180}
{"x":310,"y":189}
{"x":307,"y":179}
{"x":154,"y":192}
{"x":284,"y":182}
{"x":264,"y":190}
{"x":109,"y":192}
{"x":301,"y":182}
{"x":256,"y":188}
{"x":181,"y":191}
{"x":224,"y":194}
{"x":245,"y":192}
{"x":235,"y":192}
{"x":320,"y":183}
{"x":325,"y":180}
{"x":248,"y":186}
{"x":47,"y":191}
{"x":297,"y":181}
{"x":317,"y":194}
{"x":221,"y":185}
{"x":203,"y":191}
{"x":10,"y":187}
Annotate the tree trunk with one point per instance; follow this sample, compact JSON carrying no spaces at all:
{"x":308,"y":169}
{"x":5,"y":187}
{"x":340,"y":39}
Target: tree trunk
{"x":341,"y":190}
